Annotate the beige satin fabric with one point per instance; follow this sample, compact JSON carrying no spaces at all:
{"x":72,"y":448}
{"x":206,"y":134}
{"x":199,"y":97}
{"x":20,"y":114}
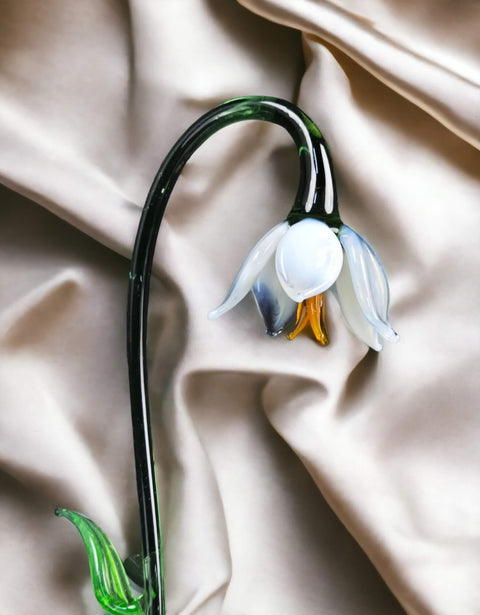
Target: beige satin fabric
{"x":293,"y":479}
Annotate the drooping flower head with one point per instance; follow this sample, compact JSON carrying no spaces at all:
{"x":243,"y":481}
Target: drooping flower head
{"x":312,"y":251}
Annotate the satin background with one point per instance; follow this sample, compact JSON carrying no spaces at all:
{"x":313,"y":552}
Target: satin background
{"x":293,"y":479}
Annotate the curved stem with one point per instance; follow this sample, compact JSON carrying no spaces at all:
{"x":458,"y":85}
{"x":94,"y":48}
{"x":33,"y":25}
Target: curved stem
{"x":316,"y":197}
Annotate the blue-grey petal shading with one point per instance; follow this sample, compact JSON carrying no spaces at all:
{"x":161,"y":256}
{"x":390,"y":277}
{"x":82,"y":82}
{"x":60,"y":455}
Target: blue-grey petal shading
{"x":251,"y":268}
{"x":277,"y":309}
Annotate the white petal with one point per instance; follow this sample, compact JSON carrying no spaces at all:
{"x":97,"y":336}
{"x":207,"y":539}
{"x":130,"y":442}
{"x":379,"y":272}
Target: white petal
{"x":369,"y":281}
{"x":251,"y":269}
{"x":351,"y":310}
{"x":308,"y":259}
{"x":277,"y":309}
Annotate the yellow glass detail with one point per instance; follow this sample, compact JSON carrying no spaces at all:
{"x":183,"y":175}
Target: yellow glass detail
{"x":311,"y":311}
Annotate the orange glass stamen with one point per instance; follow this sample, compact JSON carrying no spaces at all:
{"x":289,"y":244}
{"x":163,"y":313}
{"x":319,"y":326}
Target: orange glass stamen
{"x":301,"y":322}
{"x":311,"y":311}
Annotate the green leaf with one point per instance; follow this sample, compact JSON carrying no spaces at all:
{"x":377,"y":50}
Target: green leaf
{"x":109,"y":579}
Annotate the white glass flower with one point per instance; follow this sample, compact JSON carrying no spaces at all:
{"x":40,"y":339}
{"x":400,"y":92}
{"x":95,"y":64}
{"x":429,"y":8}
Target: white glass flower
{"x":292,"y":266}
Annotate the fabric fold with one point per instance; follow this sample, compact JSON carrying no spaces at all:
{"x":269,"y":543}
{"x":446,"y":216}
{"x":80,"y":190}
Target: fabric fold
{"x":450,"y":97}
{"x":292,"y":478}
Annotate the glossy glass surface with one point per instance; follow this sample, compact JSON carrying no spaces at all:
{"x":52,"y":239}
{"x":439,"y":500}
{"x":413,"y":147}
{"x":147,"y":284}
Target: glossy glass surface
{"x":369,"y":282}
{"x":311,"y":312}
{"x":251,"y":269}
{"x":277,"y":309}
{"x":109,"y":579}
{"x":308,"y":259}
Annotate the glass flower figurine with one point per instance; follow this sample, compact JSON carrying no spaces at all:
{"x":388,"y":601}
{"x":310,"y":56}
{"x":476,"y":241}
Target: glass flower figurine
{"x":288,"y":271}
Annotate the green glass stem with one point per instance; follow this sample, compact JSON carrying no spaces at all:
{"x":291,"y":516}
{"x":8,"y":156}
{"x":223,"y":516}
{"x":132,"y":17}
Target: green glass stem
{"x":310,"y":200}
